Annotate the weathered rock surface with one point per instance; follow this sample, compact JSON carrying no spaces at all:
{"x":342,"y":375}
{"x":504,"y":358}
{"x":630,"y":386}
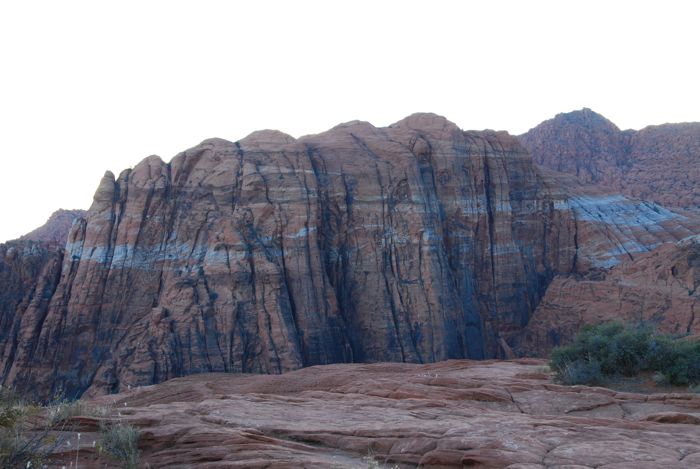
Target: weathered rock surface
{"x":56,"y":228}
{"x":451,"y":414}
{"x":660,"y":288}
{"x":418,"y":242}
{"x":29,"y":273}
{"x":658,"y":163}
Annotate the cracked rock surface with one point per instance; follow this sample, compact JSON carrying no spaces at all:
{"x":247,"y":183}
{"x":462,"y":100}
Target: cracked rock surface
{"x":417,"y":242}
{"x":458,"y":413}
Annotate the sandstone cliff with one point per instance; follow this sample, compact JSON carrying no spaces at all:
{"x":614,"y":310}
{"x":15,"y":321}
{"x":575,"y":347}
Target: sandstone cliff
{"x":29,"y":274}
{"x":417,"y":242}
{"x":659,"y":288}
{"x":658,"y":163}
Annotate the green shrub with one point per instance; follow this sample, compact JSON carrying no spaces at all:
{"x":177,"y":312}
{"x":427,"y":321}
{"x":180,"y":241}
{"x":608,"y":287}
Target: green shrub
{"x":683,"y":364}
{"x":581,"y":372}
{"x":613,"y":349}
{"x":120,"y":441}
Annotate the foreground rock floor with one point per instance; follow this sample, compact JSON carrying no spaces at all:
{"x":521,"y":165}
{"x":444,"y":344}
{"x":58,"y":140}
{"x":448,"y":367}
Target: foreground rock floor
{"x":449,"y":414}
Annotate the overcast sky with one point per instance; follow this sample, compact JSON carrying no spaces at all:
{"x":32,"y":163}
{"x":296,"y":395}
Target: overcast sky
{"x":90,"y":86}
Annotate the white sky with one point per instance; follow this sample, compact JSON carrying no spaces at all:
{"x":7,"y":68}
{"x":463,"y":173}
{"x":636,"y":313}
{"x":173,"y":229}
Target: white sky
{"x":87,"y":86}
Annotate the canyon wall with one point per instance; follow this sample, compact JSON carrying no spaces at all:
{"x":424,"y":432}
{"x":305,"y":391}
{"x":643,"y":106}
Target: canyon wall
{"x":417,"y":242}
{"x":658,"y":288}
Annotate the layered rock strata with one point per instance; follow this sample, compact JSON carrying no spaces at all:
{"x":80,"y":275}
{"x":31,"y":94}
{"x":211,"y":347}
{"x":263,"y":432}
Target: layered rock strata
{"x":417,"y":242}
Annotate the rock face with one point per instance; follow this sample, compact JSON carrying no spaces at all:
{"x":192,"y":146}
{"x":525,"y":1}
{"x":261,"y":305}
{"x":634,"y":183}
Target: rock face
{"x":417,"y":242}
{"x":449,"y":414}
{"x":29,"y":274}
{"x":660,"y":288}
{"x":56,"y":228}
{"x":658,"y":163}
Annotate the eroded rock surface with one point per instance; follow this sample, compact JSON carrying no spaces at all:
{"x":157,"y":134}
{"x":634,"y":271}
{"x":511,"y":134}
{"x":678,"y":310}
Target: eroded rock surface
{"x":418,"y":242}
{"x":659,"y":288}
{"x":29,"y":273}
{"x":458,"y":413}
{"x":659,"y":163}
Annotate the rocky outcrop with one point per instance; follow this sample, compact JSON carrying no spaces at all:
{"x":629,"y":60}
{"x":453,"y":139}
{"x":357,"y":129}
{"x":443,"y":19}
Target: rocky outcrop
{"x":449,"y":414}
{"x":658,"y":163}
{"x":29,"y":274}
{"x":417,"y":242}
{"x":658,"y":288}
{"x":56,"y":228}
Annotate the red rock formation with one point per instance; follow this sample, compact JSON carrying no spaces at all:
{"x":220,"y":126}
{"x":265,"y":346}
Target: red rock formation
{"x":666,"y":165}
{"x":658,"y":163}
{"x":450,"y":414}
{"x":29,"y":273}
{"x":660,"y":288}
{"x":56,"y":228}
{"x":418,"y":242}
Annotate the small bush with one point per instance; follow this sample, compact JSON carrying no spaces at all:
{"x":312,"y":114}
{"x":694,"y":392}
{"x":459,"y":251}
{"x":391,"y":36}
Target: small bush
{"x":682,"y":366}
{"x":659,"y":378}
{"x":581,"y":372}
{"x":613,"y":349}
{"x":120,"y":441}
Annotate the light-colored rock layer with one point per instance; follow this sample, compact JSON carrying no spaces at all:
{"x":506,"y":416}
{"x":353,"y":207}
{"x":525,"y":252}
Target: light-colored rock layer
{"x":417,"y":242}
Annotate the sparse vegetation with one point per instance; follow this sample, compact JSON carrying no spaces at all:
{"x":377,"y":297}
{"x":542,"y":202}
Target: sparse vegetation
{"x":28,"y":432}
{"x":119,"y":441}
{"x":615,"y":349}
{"x":372,"y":463}
{"x":64,"y":409}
